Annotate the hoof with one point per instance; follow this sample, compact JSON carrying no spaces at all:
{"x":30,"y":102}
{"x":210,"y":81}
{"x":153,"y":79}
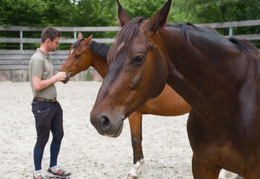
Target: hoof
{"x":136,"y":170}
{"x":130,"y":177}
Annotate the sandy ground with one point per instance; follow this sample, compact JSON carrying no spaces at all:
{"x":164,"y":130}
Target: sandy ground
{"x":84,"y":152}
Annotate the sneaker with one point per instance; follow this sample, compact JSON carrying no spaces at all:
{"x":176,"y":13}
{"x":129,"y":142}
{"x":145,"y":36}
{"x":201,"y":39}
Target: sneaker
{"x":38,"y":175}
{"x":58,"y":172}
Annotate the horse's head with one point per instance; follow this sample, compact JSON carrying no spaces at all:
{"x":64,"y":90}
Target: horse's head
{"x":79,"y":58}
{"x":135,"y":60}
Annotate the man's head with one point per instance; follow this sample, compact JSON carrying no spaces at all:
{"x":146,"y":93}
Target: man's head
{"x":50,"y":38}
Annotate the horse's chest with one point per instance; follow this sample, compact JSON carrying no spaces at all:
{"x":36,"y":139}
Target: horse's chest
{"x":223,"y":143}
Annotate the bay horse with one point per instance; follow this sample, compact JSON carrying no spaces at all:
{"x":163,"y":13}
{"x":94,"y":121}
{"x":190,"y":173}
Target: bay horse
{"x":218,"y":76}
{"x":87,"y":52}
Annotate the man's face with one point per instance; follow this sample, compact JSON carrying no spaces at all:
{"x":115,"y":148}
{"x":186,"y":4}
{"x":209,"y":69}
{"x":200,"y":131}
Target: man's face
{"x":53,"y":44}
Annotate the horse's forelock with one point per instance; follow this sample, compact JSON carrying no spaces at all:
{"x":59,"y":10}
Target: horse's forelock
{"x":78,"y":43}
{"x":128,"y":32}
{"x":75,"y":46}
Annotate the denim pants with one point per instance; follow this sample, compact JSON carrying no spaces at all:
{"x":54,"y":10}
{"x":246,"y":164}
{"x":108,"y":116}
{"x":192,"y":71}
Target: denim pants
{"x":48,"y":117}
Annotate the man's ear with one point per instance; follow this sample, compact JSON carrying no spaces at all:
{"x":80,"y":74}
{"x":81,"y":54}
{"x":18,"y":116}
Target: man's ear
{"x":80,"y":36}
{"x":47,"y":41}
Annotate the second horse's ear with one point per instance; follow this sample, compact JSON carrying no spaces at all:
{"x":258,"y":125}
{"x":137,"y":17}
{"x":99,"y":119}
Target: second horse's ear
{"x":80,"y":36}
{"x":159,"y":19}
{"x":122,"y":15}
{"x":87,"y":41}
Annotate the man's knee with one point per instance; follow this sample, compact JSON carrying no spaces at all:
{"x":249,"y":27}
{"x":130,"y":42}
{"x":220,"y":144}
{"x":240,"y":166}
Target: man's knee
{"x":58,"y":137}
{"x":41,"y":142}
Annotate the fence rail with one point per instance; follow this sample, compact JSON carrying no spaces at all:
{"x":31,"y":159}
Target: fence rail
{"x":23,"y":29}
{"x":14,"y":63}
{"x":19,"y":59}
{"x":75,"y":30}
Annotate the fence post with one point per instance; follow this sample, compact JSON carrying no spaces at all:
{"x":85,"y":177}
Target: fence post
{"x":75,"y":35}
{"x":21,"y":37}
{"x":230,"y":31}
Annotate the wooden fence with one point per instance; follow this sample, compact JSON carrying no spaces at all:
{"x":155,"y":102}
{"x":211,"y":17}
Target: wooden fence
{"x":14,"y":63}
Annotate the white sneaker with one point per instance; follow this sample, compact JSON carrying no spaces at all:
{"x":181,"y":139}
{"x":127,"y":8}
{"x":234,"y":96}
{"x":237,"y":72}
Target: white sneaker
{"x":38,"y":174}
{"x":56,"y":171}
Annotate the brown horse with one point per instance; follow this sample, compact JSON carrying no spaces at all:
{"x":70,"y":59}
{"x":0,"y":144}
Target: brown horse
{"x":218,"y":76}
{"x":85,"y":53}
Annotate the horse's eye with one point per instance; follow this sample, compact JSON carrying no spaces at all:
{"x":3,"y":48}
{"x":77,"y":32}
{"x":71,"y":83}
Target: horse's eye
{"x":77,"y":56}
{"x":138,"y":59}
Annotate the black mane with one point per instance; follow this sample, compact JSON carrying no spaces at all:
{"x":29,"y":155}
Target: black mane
{"x":99,"y":49}
{"x":213,"y":36}
{"x":208,"y":35}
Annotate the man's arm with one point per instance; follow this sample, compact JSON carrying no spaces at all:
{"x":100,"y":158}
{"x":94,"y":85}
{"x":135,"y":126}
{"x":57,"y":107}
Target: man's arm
{"x":39,"y":84}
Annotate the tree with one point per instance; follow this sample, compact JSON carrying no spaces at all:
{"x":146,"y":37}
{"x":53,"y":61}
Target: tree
{"x":60,"y":13}
{"x":103,"y":13}
{"x":22,"y":12}
{"x":204,"y":11}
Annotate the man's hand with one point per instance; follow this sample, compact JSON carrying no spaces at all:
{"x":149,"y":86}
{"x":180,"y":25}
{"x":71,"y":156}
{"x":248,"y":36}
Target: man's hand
{"x":40,"y":84}
{"x":60,"y":76}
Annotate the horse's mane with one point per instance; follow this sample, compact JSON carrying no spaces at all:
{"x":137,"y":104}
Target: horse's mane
{"x":97,"y":48}
{"x":245,"y":46}
{"x":130,"y":30}
{"x":188,"y":29}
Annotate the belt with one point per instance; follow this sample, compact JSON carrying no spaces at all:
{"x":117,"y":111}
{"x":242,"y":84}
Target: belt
{"x":46,"y":100}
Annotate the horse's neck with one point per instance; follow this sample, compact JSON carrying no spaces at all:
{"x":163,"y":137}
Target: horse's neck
{"x":192,"y":70}
{"x":100,"y":64}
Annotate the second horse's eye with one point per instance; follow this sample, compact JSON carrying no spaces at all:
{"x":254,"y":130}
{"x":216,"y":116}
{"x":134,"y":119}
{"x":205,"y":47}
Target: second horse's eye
{"x":138,"y":59}
{"x":77,"y":56}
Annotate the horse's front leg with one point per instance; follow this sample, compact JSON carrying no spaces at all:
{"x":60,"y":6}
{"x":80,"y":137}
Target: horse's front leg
{"x":135,"y":121}
{"x":202,"y":171}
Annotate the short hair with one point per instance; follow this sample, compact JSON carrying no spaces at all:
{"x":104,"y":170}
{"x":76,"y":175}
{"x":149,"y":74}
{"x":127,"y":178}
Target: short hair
{"x":50,"y":33}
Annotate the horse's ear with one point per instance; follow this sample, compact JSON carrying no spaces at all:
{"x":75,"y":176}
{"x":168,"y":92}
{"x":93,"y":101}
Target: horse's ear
{"x":122,"y":15}
{"x":87,"y":41}
{"x":159,"y":19}
{"x":80,"y":36}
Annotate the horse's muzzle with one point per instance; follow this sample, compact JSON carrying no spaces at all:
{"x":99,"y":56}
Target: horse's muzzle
{"x":106,"y":126}
{"x":67,"y":78}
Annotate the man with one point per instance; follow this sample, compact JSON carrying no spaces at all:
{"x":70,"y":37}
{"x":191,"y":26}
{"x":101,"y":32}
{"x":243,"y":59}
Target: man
{"x":45,"y":107}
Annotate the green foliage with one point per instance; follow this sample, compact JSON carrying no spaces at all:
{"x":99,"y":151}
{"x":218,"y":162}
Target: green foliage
{"x":22,"y":12}
{"x":88,"y":75}
{"x":60,"y":13}
{"x":103,"y":13}
{"x":95,"y":13}
{"x":146,"y":9}
{"x":204,"y":11}
{"x":141,"y":8}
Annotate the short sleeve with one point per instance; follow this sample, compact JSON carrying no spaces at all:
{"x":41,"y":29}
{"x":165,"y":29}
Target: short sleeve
{"x":37,"y":67}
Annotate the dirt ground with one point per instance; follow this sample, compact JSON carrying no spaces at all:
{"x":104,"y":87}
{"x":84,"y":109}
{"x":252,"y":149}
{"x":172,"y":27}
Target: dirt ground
{"x":84,"y":152}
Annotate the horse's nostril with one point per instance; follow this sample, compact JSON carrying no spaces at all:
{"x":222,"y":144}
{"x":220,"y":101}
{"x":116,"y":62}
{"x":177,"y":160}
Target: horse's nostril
{"x":104,"y":123}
